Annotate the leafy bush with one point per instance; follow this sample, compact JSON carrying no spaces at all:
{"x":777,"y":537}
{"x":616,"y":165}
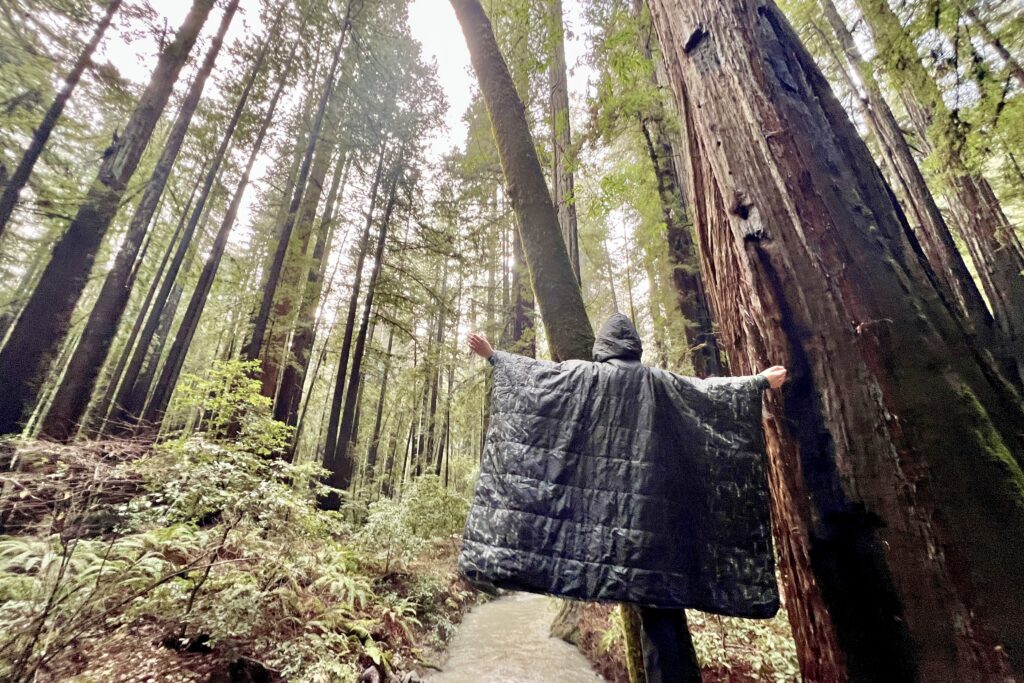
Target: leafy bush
{"x":219,"y":543}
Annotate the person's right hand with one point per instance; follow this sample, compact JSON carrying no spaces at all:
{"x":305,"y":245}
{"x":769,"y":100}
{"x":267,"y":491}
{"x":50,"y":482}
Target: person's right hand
{"x":776,"y":375}
{"x":479,"y":345}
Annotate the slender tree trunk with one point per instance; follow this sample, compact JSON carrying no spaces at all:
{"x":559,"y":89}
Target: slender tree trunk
{"x":435,"y":369}
{"x":524,"y":339}
{"x":286,"y":407}
{"x":255,"y":345}
{"x":16,"y":183}
{"x":927,"y":221}
{"x":1013,"y":64}
{"x":131,"y":396}
{"x":72,"y":396}
{"x":374,"y":446}
{"x":896,"y":491}
{"x":338,"y":398}
{"x":990,"y":237}
{"x":44,"y":321}
{"x":551,"y":273}
{"x":561,"y":139}
{"x":104,"y":409}
{"x":296,"y":270}
{"x":343,"y":461}
{"x":157,"y":404}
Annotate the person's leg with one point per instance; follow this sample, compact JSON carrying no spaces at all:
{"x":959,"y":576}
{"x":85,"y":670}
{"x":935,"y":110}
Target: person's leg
{"x":669,"y":656}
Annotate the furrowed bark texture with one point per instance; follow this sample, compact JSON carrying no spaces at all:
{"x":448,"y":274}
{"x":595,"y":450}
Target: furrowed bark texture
{"x":897,"y":494}
{"x":44,"y":321}
{"x":551,"y":273}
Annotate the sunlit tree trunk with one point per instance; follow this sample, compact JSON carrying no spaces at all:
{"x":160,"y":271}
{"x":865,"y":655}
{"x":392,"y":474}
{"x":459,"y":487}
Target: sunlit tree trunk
{"x":896,"y":491}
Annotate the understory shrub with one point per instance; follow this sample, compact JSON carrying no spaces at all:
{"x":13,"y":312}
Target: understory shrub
{"x":214,"y":540}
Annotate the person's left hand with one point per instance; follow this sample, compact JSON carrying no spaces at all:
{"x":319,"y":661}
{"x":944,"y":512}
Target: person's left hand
{"x":776,"y":375}
{"x":479,"y":345}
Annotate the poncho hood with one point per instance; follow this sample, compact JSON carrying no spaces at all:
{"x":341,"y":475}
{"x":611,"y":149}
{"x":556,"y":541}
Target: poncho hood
{"x":617,"y":338}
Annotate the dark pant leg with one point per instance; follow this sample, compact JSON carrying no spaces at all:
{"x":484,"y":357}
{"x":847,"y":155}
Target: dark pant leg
{"x":669,"y":656}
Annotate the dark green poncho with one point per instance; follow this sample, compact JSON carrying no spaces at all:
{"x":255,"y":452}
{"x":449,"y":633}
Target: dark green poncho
{"x":612,"y":481}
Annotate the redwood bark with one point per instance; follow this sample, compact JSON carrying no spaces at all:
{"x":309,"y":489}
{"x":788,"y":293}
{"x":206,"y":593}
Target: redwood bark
{"x":551,"y":273}
{"x":374,"y":445}
{"x":17,"y":181}
{"x":44,"y":321}
{"x":895,"y":487}
{"x":75,"y":390}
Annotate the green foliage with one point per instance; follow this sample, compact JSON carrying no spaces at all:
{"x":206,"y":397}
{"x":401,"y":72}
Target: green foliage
{"x":224,"y":542}
{"x":396,"y":531}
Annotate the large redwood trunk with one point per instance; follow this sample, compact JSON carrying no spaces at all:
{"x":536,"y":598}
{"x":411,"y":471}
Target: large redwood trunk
{"x":75,"y":390}
{"x":44,"y":321}
{"x":898,"y":499}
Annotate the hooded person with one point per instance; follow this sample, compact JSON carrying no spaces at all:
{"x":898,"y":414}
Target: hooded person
{"x":612,"y":481}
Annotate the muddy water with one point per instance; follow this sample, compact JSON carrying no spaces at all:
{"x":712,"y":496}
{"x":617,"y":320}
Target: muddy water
{"x":506,"y":641}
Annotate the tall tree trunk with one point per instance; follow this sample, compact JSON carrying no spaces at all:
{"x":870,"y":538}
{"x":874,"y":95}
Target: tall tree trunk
{"x":523,"y":338}
{"x":435,"y":368}
{"x":255,"y":345}
{"x":990,"y":237}
{"x":296,"y":269}
{"x":691,"y":297}
{"x":551,"y":273}
{"x":16,"y":183}
{"x":103,"y":411}
{"x":374,"y":446}
{"x":342,"y":463}
{"x":43,"y":323}
{"x":1013,"y":64}
{"x":561,"y":139}
{"x":72,"y":396}
{"x":286,"y":407}
{"x":131,"y":396}
{"x":157,"y":404}
{"x":896,"y":493}
{"x":927,"y":221}
{"x":338,"y":397}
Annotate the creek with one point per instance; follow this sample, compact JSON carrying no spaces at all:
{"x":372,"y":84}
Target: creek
{"x":506,"y":641}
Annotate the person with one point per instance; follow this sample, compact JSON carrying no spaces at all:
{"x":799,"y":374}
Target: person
{"x":641,"y":486}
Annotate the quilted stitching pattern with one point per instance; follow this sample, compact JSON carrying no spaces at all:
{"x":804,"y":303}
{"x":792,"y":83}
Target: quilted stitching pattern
{"x":617,"y":482}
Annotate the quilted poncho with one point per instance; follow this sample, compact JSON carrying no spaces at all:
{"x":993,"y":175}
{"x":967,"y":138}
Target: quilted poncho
{"x":613,"y":481}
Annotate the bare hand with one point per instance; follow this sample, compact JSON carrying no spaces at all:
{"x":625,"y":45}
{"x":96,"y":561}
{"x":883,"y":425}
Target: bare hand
{"x":776,"y":375}
{"x":479,"y":345}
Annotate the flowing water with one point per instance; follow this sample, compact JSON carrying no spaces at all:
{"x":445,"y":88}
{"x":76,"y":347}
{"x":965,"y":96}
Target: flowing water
{"x":506,"y":641}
